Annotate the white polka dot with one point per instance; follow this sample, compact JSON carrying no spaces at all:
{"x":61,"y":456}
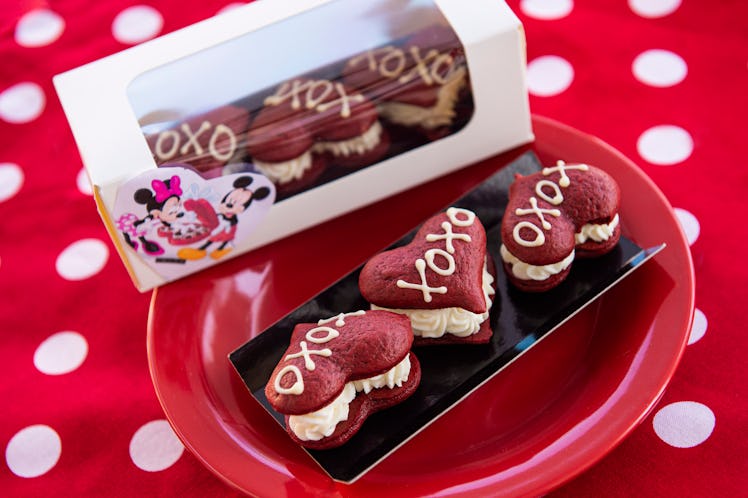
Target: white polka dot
{"x":654,"y":8}
{"x":698,"y":329}
{"x":11,"y":180}
{"x":61,"y":353}
{"x":38,"y":28}
{"x":155,"y":447}
{"x":82,"y":259}
{"x":665,"y":145}
{"x":546,"y":10}
{"x":33,"y":451}
{"x":230,"y":7}
{"x":684,"y":424}
{"x":689,"y":224}
{"x":549,"y":75}
{"x":22,"y":103}
{"x":83,"y":183}
{"x":137,"y":24}
{"x":660,"y":68}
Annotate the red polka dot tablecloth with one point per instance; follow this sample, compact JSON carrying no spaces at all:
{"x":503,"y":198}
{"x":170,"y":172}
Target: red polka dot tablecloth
{"x":664,"y":81}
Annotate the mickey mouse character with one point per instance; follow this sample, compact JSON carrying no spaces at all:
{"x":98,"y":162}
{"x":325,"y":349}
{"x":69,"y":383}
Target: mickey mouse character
{"x":164,"y":208}
{"x":232,"y":205}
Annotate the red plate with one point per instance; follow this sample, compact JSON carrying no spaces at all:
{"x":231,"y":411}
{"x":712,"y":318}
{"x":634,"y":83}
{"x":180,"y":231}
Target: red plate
{"x":550,"y":415}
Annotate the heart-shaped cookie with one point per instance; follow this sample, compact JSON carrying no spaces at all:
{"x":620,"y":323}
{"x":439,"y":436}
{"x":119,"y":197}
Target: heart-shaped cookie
{"x":307,"y":123}
{"x":553,"y":216}
{"x":441,"y":279}
{"x":178,"y":222}
{"x":338,"y":371}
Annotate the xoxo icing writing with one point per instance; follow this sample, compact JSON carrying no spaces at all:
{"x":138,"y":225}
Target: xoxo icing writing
{"x":314,"y":337}
{"x":314,"y":95}
{"x":431,"y":68}
{"x":556,"y":200}
{"x":221,"y":144}
{"x":429,"y":257}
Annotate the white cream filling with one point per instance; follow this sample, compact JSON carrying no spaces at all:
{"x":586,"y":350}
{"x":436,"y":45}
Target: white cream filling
{"x":395,"y":376}
{"x":456,"y":321}
{"x":525,"y":271}
{"x":285,"y":171}
{"x":598,"y":233}
{"x":441,"y":114}
{"x":321,"y":423}
{"x":356,"y":145}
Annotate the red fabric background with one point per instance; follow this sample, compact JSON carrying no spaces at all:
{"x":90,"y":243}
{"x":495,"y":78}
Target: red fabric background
{"x":98,"y":407}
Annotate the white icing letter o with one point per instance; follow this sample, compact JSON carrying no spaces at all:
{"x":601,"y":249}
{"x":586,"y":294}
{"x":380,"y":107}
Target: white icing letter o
{"x":164,"y":136}
{"x":431,"y":255}
{"x":453,"y":212}
{"x":225,"y":130}
{"x":315,"y":98}
{"x":331,"y":334}
{"x":296,"y":388}
{"x":399,"y":57}
{"x":539,"y":239}
{"x":557,"y":198}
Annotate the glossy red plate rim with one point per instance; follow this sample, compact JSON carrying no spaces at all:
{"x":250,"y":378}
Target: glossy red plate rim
{"x":568,"y":434}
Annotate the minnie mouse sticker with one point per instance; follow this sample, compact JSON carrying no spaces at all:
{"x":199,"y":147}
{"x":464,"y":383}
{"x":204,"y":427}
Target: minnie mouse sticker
{"x":178,"y":222}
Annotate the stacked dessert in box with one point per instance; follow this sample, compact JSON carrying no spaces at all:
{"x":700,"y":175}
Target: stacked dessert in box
{"x":316,"y":127}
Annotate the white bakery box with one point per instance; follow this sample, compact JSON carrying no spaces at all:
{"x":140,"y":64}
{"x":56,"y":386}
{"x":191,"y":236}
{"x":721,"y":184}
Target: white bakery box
{"x":229,"y":134}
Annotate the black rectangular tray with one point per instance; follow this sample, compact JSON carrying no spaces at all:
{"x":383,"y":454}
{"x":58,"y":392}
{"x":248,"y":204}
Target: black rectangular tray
{"x":449,"y":373}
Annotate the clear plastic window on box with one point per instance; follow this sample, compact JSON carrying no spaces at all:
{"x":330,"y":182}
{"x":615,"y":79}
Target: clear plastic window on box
{"x":312,"y":98}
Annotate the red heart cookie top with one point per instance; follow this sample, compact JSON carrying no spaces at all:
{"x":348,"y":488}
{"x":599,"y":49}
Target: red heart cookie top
{"x":547,"y":209}
{"x":304,"y":110}
{"x":322,"y":357}
{"x":442,"y":267}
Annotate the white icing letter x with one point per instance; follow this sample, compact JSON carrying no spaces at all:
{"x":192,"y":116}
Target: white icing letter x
{"x":561,"y":167}
{"x":423,"y":286}
{"x":534,"y":209}
{"x":448,"y":236}
{"x":307,"y":355}
{"x":192,"y":137}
